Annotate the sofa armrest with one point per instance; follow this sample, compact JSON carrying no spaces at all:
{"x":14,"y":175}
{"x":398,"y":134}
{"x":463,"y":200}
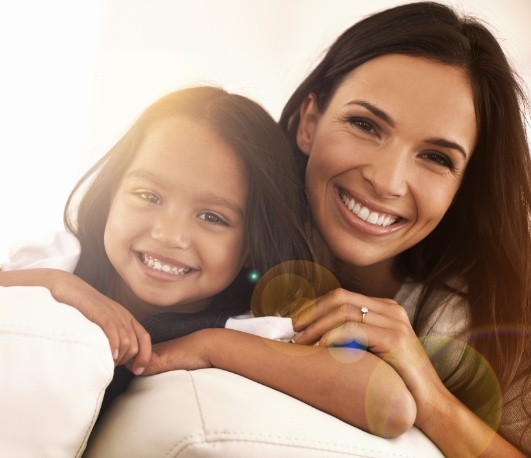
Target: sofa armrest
{"x":214,"y":413}
{"x":55,"y":366}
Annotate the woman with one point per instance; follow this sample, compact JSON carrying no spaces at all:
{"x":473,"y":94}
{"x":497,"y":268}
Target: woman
{"x":411,"y":142}
{"x":411,"y":145}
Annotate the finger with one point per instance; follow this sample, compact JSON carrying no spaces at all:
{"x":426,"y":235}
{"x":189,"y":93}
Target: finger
{"x":113,"y":336}
{"x":350,"y":334}
{"x":128,"y":345}
{"x":334,"y":318}
{"x":144,"y":351}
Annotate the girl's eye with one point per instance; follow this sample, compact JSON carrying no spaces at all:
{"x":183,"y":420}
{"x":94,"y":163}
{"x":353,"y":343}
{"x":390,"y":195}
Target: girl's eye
{"x":212,"y":218}
{"x":439,"y":159}
{"x":150,"y":197}
{"x":363,"y":124}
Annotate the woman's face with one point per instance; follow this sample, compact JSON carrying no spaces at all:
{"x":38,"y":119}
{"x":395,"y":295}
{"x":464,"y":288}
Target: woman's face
{"x":387,"y":156}
{"x":176,"y":227}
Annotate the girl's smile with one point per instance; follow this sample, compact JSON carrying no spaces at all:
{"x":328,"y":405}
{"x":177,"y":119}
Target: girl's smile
{"x":166,"y":268}
{"x":176,"y":227}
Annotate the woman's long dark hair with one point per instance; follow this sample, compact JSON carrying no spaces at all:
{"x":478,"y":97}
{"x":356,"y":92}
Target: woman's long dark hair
{"x":484,"y":238}
{"x":274,"y":217}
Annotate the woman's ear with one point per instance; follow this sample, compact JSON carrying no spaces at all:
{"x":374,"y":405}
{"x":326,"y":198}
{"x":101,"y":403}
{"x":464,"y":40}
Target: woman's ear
{"x":309,"y":115}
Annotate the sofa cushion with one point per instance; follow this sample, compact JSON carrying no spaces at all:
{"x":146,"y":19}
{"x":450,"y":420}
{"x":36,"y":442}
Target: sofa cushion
{"x":214,"y":413}
{"x":55,"y":366}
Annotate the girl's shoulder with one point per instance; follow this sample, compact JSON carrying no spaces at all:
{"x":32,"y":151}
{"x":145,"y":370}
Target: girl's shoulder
{"x":60,"y":250}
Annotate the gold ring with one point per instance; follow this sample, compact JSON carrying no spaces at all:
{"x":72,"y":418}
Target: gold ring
{"x":364,"y":311}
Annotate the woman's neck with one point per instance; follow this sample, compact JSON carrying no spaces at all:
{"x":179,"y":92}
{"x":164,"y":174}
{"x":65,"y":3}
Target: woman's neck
{"x":377,"y":280}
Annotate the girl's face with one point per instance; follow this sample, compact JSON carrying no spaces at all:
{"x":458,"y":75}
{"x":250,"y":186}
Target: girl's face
{"x":387,"y":156}
{"x":176,"y":227}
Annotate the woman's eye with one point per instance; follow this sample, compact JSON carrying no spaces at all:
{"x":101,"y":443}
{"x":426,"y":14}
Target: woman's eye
{"x":150,"y":197}
{"x":363,"y":124}
{"x":439,"y":159}
{"x":212,"y":218}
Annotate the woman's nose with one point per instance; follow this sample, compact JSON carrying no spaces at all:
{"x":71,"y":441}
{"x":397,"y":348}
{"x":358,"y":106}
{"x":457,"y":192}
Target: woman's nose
{"x":387,"y":172}
{"x":171,"y":231}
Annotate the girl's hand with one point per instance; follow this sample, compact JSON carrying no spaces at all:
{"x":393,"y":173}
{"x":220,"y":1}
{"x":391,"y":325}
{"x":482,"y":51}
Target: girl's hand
{"x":336,"y":319}
{"x":128,"y":339}
{"x":189,"y":352}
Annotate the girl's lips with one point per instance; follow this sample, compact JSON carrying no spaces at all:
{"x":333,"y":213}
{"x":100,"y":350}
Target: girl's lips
{"x":162,"y":264}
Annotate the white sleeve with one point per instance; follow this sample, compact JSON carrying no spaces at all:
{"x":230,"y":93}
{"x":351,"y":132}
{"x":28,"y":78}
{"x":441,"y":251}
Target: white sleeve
{"x":59,"y":251}
{"x":272,"y":327}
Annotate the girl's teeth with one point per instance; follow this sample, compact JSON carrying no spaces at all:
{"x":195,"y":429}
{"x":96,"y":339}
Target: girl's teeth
{"x":157,"y":265}
{"x":365,"y":214}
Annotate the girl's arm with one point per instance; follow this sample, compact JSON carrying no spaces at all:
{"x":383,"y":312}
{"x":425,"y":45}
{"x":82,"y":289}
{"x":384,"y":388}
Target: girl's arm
{"x":352,"y":385}
{"x":336,"y":319}
{"x":127,"y":338}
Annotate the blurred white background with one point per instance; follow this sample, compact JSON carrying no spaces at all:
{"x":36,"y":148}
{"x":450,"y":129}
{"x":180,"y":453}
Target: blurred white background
{"x":75,"y":74}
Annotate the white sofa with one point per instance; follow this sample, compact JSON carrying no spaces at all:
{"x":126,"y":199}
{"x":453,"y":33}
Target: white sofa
{"x":56,"y":365}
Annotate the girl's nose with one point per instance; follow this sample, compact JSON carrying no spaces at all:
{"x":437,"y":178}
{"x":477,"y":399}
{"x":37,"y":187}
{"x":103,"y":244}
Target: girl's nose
{"x":387,"y":173}
{"x":171,"y":232}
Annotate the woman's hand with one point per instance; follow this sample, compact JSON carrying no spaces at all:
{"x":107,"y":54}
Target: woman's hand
{"x":336,"y":319}
{"x":189,"y":352}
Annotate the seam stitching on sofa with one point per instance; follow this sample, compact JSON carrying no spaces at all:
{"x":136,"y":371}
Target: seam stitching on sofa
{"x":53,"y":339}
{"x":348,"y":450}
{"x":90,"y":427}
{"x":202,"y":436}
{"x":355,"y":450}
{"x":198,"y":404}
{"x":262,"y":438}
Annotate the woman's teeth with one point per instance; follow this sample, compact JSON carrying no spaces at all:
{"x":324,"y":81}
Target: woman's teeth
{"x":155,"y":264}
{"x":365,"y":214}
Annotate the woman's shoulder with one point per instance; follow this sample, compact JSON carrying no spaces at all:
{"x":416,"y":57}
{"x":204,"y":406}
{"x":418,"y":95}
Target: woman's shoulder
{"x":446,"y":310}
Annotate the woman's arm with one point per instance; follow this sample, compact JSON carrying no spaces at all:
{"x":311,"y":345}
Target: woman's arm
{"x":127,"y":338}
{"x":336,"y":319}
{"x":352,"y":385}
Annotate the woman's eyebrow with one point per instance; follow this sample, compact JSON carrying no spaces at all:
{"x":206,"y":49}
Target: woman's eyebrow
{"x":388,"y":120}
{"x":374,"y":110}
{"x":448,"y":144}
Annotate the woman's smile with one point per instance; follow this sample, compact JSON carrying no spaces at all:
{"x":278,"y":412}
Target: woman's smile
{"x":387,"y":155}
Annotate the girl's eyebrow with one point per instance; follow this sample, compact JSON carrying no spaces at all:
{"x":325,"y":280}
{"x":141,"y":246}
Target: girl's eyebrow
{"x":389,"y":121}
{"x":210,"y":198}
{"x":213,"y":199}
{"x":144,"y":175}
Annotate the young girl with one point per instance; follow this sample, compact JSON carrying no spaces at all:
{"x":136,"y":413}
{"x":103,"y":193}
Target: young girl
{"x":167,"y":221}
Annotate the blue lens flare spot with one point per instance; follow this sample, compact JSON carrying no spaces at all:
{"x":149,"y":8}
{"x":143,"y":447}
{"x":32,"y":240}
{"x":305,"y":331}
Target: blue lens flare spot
{"x":353,"y":344}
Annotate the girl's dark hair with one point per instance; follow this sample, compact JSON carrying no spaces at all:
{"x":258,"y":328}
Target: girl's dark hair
{"x":485,"y":236}
{"x":275,"y":215}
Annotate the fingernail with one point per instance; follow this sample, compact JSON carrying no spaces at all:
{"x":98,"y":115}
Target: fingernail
{"x":139,"y":370}
{"x":115,"y":354}
{"x":297,"y":336}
